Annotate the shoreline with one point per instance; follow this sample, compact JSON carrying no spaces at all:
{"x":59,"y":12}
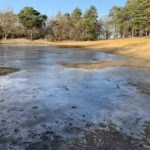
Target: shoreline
{"x":131,"y":47}
{"x":137,"y":50}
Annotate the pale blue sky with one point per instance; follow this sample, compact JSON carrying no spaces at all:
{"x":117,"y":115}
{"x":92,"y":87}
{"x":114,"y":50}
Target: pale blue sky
{"x":51,"y":7}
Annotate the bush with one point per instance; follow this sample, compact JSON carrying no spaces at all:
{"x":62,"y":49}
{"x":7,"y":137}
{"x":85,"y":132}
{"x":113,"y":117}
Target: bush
{"x":50,"y":38}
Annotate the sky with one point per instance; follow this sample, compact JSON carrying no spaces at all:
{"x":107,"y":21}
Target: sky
{"x":51,"y":7}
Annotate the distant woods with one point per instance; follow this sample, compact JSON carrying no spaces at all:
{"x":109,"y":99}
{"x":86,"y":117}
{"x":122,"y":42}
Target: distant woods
{"x":74,"y":26}
{"x":132,"y":20}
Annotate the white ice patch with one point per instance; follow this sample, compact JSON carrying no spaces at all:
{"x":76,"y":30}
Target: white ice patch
{"x":7,"y":82}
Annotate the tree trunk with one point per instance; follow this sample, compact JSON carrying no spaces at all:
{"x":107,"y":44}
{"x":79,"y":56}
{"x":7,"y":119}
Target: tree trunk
{"x":123,"y":36}
{"x":132,"y":33}
{"x":146,"y":33}
{"x":107,"y":35}
{"x":5,"y":37}
{"x":31,"y":35}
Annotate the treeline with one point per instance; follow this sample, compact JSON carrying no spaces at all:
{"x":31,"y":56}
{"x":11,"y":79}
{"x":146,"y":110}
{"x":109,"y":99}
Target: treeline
{"x":29,"y":23}
{"x":75,"y":26}
{"x":132,"y":20}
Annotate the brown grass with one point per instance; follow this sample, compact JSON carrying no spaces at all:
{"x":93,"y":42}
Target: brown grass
{"x":105,"y":64}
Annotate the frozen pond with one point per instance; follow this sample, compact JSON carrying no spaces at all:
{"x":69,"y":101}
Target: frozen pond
{"x":46,"y":97}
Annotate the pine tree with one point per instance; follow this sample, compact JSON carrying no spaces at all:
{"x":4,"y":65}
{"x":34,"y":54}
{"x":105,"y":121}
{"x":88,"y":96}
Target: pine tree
{"x":91,"y":24}
{"x":31,"y":19}
{"x":76,"y":19}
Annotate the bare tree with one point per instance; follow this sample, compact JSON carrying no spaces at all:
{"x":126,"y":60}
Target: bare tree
{"x":7,"y":22}
{"x":106,"y":27}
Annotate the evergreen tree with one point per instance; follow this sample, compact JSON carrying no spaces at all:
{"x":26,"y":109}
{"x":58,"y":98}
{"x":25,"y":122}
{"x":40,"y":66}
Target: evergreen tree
{"x":31,"y":19}
{"x":91,"y":24}
{"x":76,"y":14}
{"x":76,"y":29}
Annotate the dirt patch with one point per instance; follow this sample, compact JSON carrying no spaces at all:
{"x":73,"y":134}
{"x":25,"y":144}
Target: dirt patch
{"x":7,"y":70}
